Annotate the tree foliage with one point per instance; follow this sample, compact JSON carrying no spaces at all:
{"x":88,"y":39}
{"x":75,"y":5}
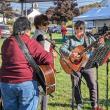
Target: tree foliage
{"x":64,"y":10}
{"x":6,"y":9}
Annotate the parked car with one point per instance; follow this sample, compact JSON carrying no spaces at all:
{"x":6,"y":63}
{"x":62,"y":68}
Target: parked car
{"x":70,"y":31}
{"x":54,"y":28}
{"x":4,"y":31}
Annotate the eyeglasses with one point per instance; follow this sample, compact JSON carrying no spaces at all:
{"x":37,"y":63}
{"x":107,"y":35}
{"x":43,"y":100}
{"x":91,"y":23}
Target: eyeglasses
{"x":45,"y":23}
{"x":79,"y":28}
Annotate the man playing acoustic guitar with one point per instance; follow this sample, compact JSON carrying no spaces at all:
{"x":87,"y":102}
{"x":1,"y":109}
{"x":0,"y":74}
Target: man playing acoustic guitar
{"x":80,"y":38}
{"x":41,"y":23}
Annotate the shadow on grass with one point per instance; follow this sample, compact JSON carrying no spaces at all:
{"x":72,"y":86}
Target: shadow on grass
{"x":87,"y":104}
{"x":66,"y":105}
{"x":102,"y":102}
{"x":58,"y":41}
{"x":105,"y":103}
{"x":59,"y":104}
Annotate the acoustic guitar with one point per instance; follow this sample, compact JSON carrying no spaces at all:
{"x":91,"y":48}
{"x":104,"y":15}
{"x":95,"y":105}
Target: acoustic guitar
{"x":48,"y":79}
{"x":45,"y":73}
{"x":71,"y":63}
{"x":74,"y":64}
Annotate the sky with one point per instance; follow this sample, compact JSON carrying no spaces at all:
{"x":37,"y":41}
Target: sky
{"x":45,"y":5}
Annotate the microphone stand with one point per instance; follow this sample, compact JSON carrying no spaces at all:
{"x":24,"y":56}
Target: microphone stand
{"x":97,"y":65}
{"x":107,"y":71}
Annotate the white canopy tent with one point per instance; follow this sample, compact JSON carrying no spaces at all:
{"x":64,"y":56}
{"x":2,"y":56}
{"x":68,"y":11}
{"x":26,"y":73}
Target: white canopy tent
{"x":33,"y":14}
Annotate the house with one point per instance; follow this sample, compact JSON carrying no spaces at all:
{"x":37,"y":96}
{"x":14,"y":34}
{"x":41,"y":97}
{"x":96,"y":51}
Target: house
{"x":33,"y":14}
{"x":95,"y":17}
{"x":1,"y":18}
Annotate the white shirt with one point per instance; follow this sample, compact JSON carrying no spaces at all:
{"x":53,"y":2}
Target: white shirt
{"x":44,"y":42}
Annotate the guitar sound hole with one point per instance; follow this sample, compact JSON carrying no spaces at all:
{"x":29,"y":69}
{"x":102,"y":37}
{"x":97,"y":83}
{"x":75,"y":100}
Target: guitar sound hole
{"x":77,"y":61}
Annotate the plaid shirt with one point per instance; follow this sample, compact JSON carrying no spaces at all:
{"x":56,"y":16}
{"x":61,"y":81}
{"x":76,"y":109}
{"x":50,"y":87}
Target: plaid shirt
{"x":73,"y":42}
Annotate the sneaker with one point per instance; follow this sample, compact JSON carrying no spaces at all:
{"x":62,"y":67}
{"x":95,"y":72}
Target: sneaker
{"x":79,"y":107}
{"x":97,"y":108}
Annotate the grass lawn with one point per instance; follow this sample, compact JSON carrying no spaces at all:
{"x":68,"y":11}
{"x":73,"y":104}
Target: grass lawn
{"x":62,"y":95}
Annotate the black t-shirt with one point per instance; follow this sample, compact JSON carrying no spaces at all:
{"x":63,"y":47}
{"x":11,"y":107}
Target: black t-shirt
{"x":40,"y":38}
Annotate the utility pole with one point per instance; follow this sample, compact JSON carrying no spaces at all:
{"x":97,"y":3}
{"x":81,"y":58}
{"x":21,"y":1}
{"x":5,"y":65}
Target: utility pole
{"x":22,"y":7}
{"x":25,"y":10}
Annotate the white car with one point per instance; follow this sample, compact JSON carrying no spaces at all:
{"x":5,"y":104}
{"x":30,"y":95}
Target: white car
{"x":4,"y":31}
{"x":70,"y":31}
{"x":54,"y":28}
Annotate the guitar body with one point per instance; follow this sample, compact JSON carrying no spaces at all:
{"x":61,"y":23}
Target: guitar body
{"x":71,"y":63}
{"x":48,"y":77}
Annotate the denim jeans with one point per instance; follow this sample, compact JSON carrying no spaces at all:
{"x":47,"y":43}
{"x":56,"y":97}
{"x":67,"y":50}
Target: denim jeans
{"x":20,"y":96}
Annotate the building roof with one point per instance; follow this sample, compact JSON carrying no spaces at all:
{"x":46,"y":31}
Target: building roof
{"x":94,"y":14}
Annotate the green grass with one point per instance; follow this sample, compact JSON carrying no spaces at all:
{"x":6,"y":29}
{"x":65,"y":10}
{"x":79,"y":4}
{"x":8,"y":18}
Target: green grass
{"x":62,"y":95}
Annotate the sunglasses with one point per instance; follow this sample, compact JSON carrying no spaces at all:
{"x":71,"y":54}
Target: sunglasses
{"x":79,"y":28}
{"x":45,"y":23}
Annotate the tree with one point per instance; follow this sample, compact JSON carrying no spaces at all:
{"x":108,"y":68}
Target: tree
{"x":64,"y":10}
{"x":6,"y":9}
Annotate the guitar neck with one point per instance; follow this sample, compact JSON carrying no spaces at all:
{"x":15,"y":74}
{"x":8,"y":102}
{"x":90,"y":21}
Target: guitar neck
{"x":93,"y":44}
{"x":89,"y":47}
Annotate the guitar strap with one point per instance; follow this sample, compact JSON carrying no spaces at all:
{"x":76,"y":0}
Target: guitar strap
{"x":86,"y":41}
{"x":70,"y":42}
{"x":29,"y":58}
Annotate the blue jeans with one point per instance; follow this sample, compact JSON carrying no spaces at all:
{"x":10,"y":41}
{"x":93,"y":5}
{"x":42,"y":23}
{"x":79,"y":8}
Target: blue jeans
{"x":20,"y":96}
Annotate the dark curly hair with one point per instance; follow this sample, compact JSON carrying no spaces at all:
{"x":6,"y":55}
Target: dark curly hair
{"x":79,"y":23}
{"x":20,"y":25}
{"x":41,"y":20}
